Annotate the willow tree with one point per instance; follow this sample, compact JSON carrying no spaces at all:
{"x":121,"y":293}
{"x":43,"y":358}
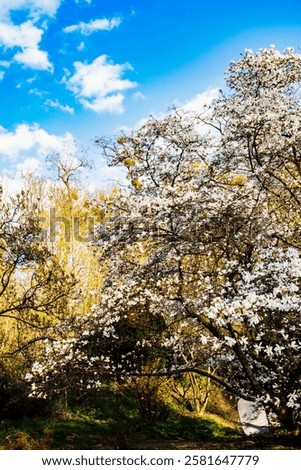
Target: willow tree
{"x":34,"y":288}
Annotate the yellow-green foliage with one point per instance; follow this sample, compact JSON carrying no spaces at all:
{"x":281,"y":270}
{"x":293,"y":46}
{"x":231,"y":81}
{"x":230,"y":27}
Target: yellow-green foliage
{"x":21,"y":440}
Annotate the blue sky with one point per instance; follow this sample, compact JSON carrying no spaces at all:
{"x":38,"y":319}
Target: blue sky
{"x":71,"y":70}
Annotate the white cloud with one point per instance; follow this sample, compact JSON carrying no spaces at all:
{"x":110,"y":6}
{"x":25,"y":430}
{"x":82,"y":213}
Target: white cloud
{"x":110,"y":104}
{"x":81,"y":46}
{"x":36,"y":8}
{"x":138,"y":96}
{"x":197,"y":105}
{"x":4,"y":63}
{"x":93,"y":26}
{"x":99,"y":85}
{"x":158,"y":116}
{"x":26,"y":37}
{"x":194,"y":105}
{"x":17,"y":144}
{"x":29,"y":165}
{"x":197,"y":102}
{"x":37,"y":92}
{"x":34,"y":59}
{"x":2,"y":73}
{"x":56,"y":104}
{"x":84,"y":1}
{"x":104,"y":176}
{"x":31,"y":80}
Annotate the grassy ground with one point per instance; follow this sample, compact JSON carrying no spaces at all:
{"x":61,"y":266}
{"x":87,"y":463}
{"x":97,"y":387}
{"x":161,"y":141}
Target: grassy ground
{"x":115,"y":423}
{"x":87,"y":433}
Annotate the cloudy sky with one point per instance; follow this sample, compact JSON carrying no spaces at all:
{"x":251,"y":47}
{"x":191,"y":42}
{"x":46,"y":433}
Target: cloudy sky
{"x":73,"y":70}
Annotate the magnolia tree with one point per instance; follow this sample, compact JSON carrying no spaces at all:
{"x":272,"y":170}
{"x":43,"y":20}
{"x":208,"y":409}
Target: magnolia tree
{"x":202,"y":252}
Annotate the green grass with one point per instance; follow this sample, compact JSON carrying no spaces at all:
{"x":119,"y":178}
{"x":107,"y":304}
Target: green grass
{"x":51,"y":433}
{"x":111,"y":420}
{"x":85,"y":432}
{"x":112,"y":423}
{"x":180,"y":426}
{"x":93,"y":429}
{"x":108,"y":420}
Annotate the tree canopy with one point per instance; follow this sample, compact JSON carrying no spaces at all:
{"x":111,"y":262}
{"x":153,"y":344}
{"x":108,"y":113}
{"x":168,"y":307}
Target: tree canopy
{"x":200,"y":255}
